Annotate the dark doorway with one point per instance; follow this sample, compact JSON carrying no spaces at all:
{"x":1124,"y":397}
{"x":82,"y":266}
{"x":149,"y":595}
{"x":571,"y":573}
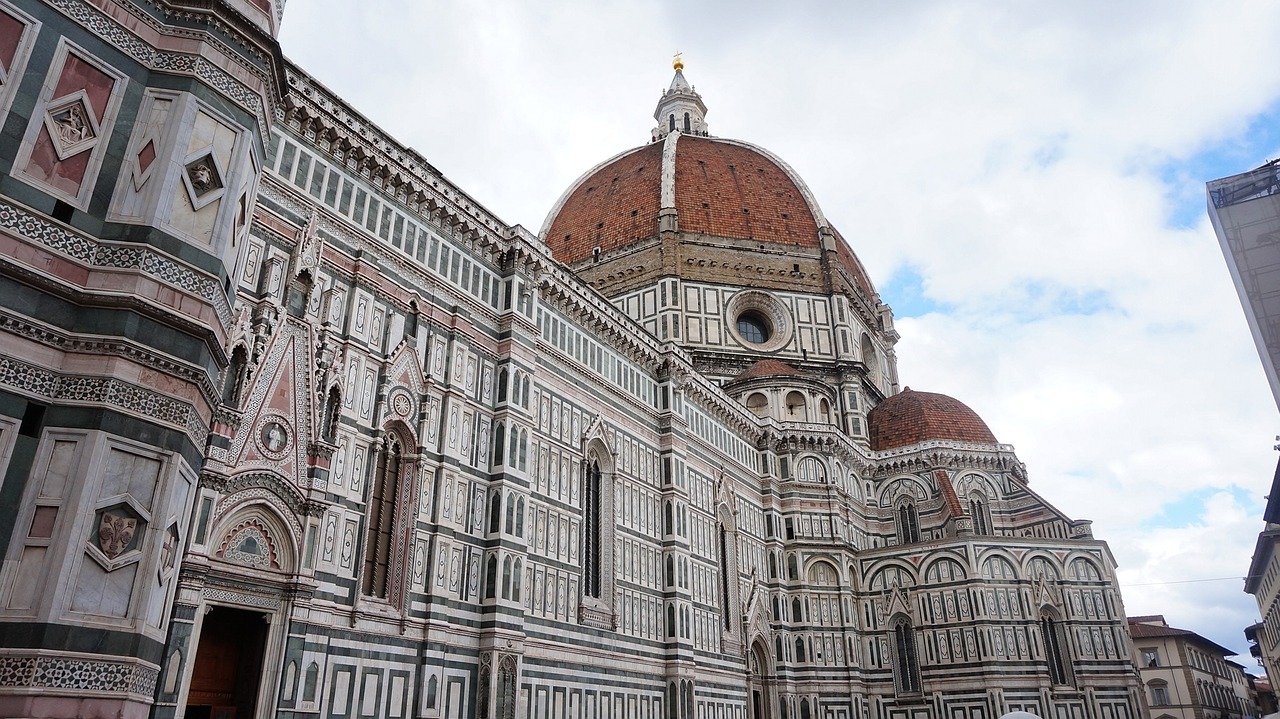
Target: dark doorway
{"x":224,"y":683}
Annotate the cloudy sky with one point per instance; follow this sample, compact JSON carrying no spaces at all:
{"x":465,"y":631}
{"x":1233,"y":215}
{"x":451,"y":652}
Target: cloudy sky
{"x":1024,"y":181}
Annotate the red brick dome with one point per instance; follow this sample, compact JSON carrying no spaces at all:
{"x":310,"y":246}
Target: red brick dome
{"x":913,"y":417}
{"x":719,"y":188}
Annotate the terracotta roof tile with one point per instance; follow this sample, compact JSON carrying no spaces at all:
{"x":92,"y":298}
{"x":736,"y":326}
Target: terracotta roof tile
{"x":768,"y":368}
{"x":615,"y":206}
{"x":913,"y":417}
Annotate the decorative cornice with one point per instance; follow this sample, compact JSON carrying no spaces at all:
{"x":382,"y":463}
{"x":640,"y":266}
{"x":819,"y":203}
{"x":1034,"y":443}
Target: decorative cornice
{"x":51,"y":386}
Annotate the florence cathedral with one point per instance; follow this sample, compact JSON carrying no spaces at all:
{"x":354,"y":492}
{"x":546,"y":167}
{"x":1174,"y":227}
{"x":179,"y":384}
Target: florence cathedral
{"x":292,"y":426}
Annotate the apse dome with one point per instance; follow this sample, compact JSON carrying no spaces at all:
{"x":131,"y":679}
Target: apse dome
{"x":911,"y":417}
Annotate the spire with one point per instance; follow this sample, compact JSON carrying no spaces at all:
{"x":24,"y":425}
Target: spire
{"x":680,"y":109}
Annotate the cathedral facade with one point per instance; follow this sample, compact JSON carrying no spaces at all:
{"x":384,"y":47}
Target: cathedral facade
{"x":292,"y":426}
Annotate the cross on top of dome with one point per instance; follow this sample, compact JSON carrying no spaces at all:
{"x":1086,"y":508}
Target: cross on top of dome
{"x":680,"y":109}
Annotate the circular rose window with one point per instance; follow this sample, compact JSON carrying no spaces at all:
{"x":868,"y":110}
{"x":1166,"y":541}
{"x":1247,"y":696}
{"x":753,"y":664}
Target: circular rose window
{"x":758,"y":320}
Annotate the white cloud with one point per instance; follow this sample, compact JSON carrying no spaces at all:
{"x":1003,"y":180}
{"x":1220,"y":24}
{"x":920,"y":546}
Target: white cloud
{"x":1012,"y":154}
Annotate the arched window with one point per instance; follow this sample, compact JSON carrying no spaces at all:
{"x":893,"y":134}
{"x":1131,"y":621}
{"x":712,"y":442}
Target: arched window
{"x":870,"y":359}
{"x":520,"y":517}
{"x":433,"y":685}
{"x":506,"y":578}
{"x":591,"y":529}
{"x":511,"y":516}
{"x":505,"y":701}
{"x":309,"y":682}
{"x":800,"y":658}
{"x":686,"y":122}
{"x":671,"y":122}
{"x":298,"y":292}
{"x":824,"y":411}
{"x":516,"y":574}
{"x":411,"y":320}
{"x":758,"y":403}
{"x":980,"y":514}
{"x":725,"y":577}
{"x":499,"y":437}
{"x":667,"y":519}
{"x":1055,"y":648}
{"x":524,"y":392}
{"x":1159,"y":693}
{"x":908,"y":523}
{"x":671,"y":620}
{"x":495,"y":513}
{"x":381,"y":519}
{"x":797,"y":614}
{"x":502,"y":385}
{"x":796,"y":407}
{"x":491,"y":577}
{"x":906,"y":668}
{"x":804,"y":709}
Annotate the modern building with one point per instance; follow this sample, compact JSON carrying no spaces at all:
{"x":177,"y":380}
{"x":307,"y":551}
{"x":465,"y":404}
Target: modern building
{"x":1186,"y":676}
{"x":1245,"y":211}
{"x":290,"y":425}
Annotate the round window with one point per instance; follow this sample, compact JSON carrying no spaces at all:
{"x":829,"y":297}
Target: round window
{"x":753,"y":327}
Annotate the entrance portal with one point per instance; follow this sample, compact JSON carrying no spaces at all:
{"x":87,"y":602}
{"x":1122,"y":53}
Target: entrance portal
{"x":224,"y":683}
{"x":757,"y":668}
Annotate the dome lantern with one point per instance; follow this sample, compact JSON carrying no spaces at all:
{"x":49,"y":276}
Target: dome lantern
{"x":680,"y":109}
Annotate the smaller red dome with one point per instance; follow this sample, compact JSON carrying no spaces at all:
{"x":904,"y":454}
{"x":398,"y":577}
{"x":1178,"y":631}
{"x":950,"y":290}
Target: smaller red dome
{"x":913,"y":417}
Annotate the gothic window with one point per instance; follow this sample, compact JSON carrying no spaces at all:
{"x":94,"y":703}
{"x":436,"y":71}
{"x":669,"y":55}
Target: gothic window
{"x":800,"y":650}
{"x":524,"y":392}
{"x":499,"y":435}
{"x":495,"y":513}
{"x":671,"y":122}
{"x":299,"y":291}
{"x":516,"y":574}
{"x":411,"y":321}
{"x":520,"y":517}
{"x":906,"y":668}
{"x":505,"y":706}
{"x":591,"y":529}
{"x":908,"y":524}
{"x":381,"y":519}
{"x":725,"y":578}
{"x":797,"y":614}
{"x":511,"y":516}
{"x":793,"y":570}
{"x":506,"y":578}
{"x":491,"y":577}
{"x":309,"y":682}
{"x":502,"y":385}
{"x":432,"y":687}
{"x":686,"y":122}
{"x":980,"y":514}
{"x":1055,"y":648}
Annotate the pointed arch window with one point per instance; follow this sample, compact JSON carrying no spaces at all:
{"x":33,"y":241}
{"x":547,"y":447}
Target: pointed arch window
{"x":906,"y":667}
{"x":908,"y":523}
{"x":1055,"y":648}
{"x":671,"y":122}
{"x":726,"y":617}
{"x":591,"y":529}
{"x":686,"y":122}
{"x":381,"y":519}
{"x":980,"y":514}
